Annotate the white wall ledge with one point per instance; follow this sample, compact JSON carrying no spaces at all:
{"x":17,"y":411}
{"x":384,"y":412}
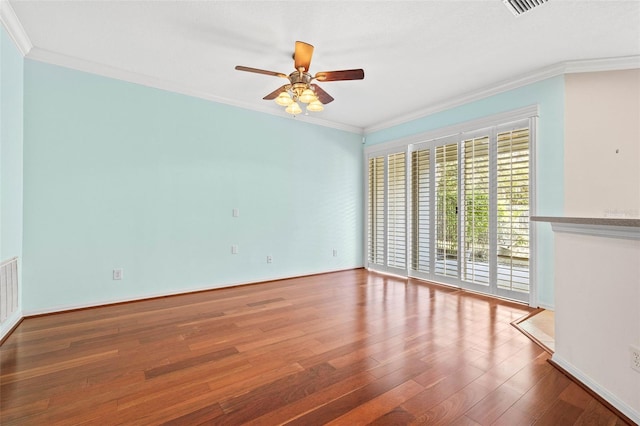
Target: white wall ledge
{"x":628,"y":229}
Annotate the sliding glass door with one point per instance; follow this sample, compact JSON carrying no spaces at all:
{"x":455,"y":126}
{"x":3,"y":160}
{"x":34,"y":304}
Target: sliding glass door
{"x":455,"y":210}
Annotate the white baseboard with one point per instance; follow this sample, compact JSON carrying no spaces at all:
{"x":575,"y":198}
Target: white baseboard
{"x":547,"y":307}
{"x":105,"y":302}
{"x":598,"y":389}
{"x":10,"y":323}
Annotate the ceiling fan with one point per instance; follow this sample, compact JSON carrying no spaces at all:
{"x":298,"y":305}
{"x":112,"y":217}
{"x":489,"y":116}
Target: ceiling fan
{"x":300,"y":87}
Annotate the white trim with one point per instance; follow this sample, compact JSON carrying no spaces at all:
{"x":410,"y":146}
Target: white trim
{"x":107,"y":302}
{"x":602,"y":64}
{"x":10,"y":323}
{"x":624,"y":232}
{"x":382,"y":272}
{"x":500,"y":119}
{"x":17,"y":32}
{"x":544,"y":306}
{"x":567,"y":67}
{"x":533,"y":207}
{"x":14,"y":28}
{"x":365,"y":209}
{"x":82,"y":65}
{"x":597,"y":388}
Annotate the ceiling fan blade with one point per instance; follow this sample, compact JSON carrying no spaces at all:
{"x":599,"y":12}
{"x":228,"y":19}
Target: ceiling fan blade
{"x":340,"y":75}
{"x":302,"y":55}
{"x":259,"y":71}
{"x":275,"y":93}
{"x":323,"y":96}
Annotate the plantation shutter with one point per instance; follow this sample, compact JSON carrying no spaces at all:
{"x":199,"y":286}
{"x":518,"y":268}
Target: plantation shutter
{"x":446,"y":176}
{"x":455,"y":209}
{"x":420,"y":210}
{"x":375,"y":206}
{"x":475,"y":199}
{"x":513,"y":210}
{"x":397,"y":212}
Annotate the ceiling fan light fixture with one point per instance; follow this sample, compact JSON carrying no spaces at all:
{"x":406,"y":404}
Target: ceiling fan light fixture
{"x":299,"y":87}
{"x":315,"y":106}
{"x":294,"y":109}
{"x":284,"y":99}
{"x":307,"y":96}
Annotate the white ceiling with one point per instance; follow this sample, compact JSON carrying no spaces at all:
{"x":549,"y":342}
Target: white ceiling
{"x":416,"y":54}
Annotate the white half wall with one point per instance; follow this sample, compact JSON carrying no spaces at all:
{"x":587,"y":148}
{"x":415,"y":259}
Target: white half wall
{"x":598,"y":314}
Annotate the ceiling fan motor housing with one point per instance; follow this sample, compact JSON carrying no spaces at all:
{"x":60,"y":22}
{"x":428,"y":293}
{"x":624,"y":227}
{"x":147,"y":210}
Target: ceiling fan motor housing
{"x":299,"y":81}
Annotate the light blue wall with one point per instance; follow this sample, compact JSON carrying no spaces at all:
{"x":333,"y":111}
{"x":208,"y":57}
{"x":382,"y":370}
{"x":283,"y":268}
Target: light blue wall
{"x":11,"y":85}
{"x":549,"y":96}
{"x":11,"y":142}
{"x":118,"y":175}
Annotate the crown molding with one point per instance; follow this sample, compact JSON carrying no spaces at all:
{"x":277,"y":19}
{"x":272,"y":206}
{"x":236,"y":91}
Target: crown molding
{"x":568,"y":67}
{"x":604,"y":64}
{"x":499,"y":119}
{"x":53,"y":58}
{"x":14,"y":28}
{"x":17,"y":33}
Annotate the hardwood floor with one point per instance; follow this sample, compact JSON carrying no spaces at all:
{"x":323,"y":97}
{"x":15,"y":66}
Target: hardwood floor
{"x":344,"y":348}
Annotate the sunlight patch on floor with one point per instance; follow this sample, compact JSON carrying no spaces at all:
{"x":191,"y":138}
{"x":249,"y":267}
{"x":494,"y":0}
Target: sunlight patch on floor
{"x":541,"y":327}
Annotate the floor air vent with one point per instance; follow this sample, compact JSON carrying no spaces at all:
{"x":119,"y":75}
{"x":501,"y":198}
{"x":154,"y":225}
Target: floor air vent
{"x":8,"y":288}
{"x":518,"y":7}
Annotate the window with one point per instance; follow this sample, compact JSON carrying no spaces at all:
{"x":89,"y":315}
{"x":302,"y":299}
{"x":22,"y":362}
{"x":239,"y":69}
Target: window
{"x":420,"y":210}
{"x":513,"y":210}
{"x":387,"y":215}
{"x":475,"y":199}
{"x":457,"y":211}
{"x":376,"y":217}
{"x":396,"y":225}
{"x":446,"y":177}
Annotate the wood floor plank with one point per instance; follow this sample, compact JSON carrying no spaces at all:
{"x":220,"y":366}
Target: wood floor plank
{"x":351,"y":347}
{"x":464,"y":421}
{"x":363,"y":395}
{"x":312,"y":401}
{"x":493,"y":405}
{"x":379,"y":406}
{"x":597,"y":414}
{"x":397,"y":416}
{"x":189,"y":362}
{"x":536,"y":401}
{"x":196,"y":417}
{"x":451,"y":383}
{"x":130,"y":410}
{"x":36,"y":371}
{"x":11,"y":414}
{"x":454,"y":406}
{"x":560,"y":412}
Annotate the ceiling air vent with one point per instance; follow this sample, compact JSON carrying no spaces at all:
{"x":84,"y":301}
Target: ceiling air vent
{"x":518,"y":7}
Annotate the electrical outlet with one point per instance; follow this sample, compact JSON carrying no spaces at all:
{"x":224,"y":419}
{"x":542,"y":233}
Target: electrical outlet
{"x":234,"y":249}
{"x":635,"y":358}
{"x":269,"y":259}
{"x":335,"y":253}
{"x":117,"y":274}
